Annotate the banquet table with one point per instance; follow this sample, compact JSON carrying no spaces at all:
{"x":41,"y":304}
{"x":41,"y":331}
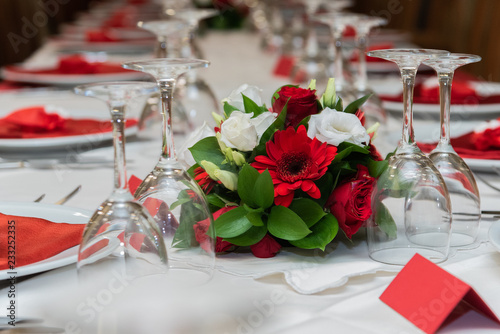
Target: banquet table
{"x":335,"y":291}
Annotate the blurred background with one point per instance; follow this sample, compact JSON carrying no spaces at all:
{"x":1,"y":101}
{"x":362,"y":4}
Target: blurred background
{"x":466,"y":26}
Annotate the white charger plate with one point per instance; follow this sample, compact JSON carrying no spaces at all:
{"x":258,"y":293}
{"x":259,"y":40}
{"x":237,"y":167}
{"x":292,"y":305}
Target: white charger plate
{"x":493,"y":108}
{"x":11,"y":74}
{"x":56,"y":214}
{"x":71,"y":105}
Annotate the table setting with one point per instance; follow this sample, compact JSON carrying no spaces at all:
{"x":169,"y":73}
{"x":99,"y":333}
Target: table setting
{"x":194,"y":180}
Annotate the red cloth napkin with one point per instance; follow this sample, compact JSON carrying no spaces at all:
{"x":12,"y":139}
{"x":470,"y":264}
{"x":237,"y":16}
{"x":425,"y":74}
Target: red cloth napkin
{"x":381,"y":46}
{"x":462,"y":92}
{"x":100,"y":35}
{"x":482,"y":145}
{"x":36,"y":239}
{"x":73,"y":64}
{"x":35,"y":122}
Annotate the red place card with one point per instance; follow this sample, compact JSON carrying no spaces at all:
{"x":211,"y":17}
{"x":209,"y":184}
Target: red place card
{"x":429,"y":297}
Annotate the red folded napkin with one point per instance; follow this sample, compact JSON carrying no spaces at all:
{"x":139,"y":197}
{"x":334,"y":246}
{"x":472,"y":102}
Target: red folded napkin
{"x":36,"y":122}
{"x":381,"y":46}
{"x":36,"y":239}
{"x":483,"y":144}
{"x":462,"y":92}
{"x":100,"y":35}
{"x":73,"y":64}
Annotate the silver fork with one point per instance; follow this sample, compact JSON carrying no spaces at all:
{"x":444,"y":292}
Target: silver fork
{"x":64,"y":199}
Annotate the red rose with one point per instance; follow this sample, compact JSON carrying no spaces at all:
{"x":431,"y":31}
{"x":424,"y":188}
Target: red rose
{"x":350,"y":202}
{"x":200,"y":233}
{"x":267,"y":247}
{"x":301,"y":103}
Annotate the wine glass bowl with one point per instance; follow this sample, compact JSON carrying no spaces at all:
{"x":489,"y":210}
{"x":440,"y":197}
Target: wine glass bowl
{"x":410,"y":203}
{"x":173,"y":197}
{"x":464,"y":194}
{"x":121,"y":235}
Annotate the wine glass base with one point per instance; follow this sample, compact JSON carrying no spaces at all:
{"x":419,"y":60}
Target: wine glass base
{"x":461,"y":239}
{"x":401,"y":255}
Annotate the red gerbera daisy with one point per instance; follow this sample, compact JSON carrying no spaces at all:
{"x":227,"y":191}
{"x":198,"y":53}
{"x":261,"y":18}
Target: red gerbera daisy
{"x":294,"y":162}
{"x":204,"y":180}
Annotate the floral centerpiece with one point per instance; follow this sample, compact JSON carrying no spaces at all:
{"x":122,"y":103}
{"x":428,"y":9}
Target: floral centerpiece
{"x":293,"y":174}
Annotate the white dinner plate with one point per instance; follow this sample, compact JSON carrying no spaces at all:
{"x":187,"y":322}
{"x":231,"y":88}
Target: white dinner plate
{"x":482,"y":165}
{"x":70,"y":105}
{"x":56,"y":214}
{"x":494,"y":235}
{"x":11,"y":74}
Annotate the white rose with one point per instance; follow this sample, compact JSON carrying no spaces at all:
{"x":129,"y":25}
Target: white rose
{"x":334,"y":127}
{"x":238,"y":132}
{"x":185,"y":156}
{"x":236,"y":99}
{"x":262,"y":122}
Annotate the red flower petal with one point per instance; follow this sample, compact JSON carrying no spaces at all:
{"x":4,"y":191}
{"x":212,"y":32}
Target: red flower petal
{"x":265,"y":248}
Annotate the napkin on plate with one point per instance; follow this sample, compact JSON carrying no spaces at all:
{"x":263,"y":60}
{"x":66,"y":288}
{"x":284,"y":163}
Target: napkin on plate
{"x":36,"y":239}
{"x":38,"y":122}
{"x":465,"y":90}
{"x":100,"y":35}
{"x":482,"y":143}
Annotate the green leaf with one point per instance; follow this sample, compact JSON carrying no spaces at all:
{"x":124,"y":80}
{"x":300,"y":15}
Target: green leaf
{"x":184,"y":236}
{"x":228,"y":109}
{"x":385,"y":221}
{"x":322,"y":234}
{"x":215,"y":200}
{"x":325,"y":185}
{"x":255,"y":218}
{"x":376,"y":168}
{"x":278,"y":124}
{"x":250,"y":237}
{"x":308,"y":210}
{"x":264,"y":190}
{"x":232,"y":223}
{"x":208,"y":149}
{"x":252,"y":107}
{"x":345,"y":148}
{"x":355,"y":105}
{"x":286,"y":224}
{"x":304,"y":122}
{"x":246,"y":180}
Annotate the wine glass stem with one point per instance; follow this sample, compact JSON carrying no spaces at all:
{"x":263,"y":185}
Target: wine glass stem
{"x":118,"y":121}
{"x":408,"y":76}
{"x":445,"y":80}
{"x":362,"y":76}
{"x":167,"y":92}
{"x":161,"y":47}
{"x":339,"y":66}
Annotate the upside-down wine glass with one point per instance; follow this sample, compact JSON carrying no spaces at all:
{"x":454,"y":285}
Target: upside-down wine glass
{"x":464,"y":195}
{"x":410,"y":203}
{"x":195,"y":94}
{"x":121,"y":237}
{"x":338,"y":23}
{"x":169,"y":35}
{"x":175,"y":199}
{"x":374,"y":111}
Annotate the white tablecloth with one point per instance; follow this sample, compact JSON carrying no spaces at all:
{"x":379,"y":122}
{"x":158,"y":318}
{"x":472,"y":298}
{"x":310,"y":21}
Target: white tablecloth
{"x":334,"y":292}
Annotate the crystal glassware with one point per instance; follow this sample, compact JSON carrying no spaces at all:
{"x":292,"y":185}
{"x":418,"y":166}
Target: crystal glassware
{"x":411,"y":208}
{"x":175,"y":199}
{"x":121,"y":237}
{"x":373,"y":109}
{"x":464,"y":194}
{"x":338,"y":22}
{"x":163,"y":29}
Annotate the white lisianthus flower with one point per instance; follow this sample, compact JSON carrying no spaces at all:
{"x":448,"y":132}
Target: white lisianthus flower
{"x":334,"y":127}
{"x":238,"y":132}
{"x":236,"y":99}
{"x":242,"y":132}
{"x":184,"y":155}
{"x":262,"y":122}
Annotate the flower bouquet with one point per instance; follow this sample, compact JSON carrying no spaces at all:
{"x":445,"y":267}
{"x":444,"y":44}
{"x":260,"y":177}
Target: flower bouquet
{"x":293,"y":174}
